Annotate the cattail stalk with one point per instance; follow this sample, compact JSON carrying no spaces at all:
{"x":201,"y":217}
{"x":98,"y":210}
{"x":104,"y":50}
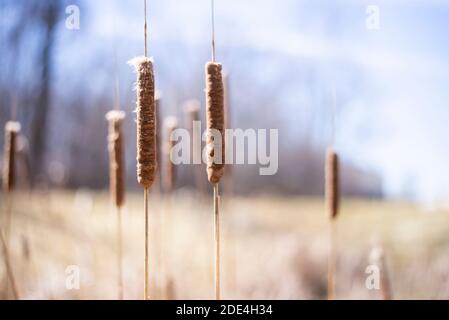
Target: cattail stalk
{"x":215,"y":149}
{"x":217,"y":242}
{"x":146,"y":141}
{"x":146,"y":135}
{"x":12,"y":130}
{"x":332,"y":204}
{"x":116,"y":157}
{"x":117,"y":181}
{"x":215,"y":140}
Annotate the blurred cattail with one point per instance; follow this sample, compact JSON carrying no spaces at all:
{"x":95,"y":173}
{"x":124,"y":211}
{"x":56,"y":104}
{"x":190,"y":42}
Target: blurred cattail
{"x":12,"y":129}
{"x":170,"y":125}
{"x":332,"y":202}
{"x":146,"y":122}
{"x":332,"y":183}
{"x":377,"y":257}
{"x":215,"y":121}
{"x":116,"y":160}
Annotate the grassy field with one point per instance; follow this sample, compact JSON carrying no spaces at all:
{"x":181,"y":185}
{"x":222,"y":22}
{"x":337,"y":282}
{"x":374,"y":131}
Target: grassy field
{"x":273,"y":248}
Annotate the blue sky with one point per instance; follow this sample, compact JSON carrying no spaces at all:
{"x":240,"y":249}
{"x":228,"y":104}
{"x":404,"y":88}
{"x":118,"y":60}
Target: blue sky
{"x":395,"y":122}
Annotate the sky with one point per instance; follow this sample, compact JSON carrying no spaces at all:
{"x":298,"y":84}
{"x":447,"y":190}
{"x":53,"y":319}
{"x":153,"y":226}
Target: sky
{"x":395,"y":121}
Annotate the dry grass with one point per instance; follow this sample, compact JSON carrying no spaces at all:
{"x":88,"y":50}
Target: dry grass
{"x":279,"y":247}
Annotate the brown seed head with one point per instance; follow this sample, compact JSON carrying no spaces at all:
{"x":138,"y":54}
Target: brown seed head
{"x":146,"y":122}
{"x":215,"y":121}
{"x":116,"y":160}
{"x":12,"y":129}
{"x":332,"y":183}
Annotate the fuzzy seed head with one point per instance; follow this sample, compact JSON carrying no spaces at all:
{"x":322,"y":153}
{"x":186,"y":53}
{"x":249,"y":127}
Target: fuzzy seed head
{"x":215,"y":120}
{"x":12,"y":129}
{"x":332,"y":183}
{"x":116,"y":157}
{"x":146,"y":122}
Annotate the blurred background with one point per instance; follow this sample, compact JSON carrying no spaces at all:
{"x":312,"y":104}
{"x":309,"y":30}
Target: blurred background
{"x":289,"y":63}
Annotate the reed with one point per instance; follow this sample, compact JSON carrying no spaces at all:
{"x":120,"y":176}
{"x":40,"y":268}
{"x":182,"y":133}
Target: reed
{"x":146,"y":136}
{"x":215,"y":142}
{"x":12,"y":129}
{"x":332,"y":205}
{"x":117,"y":182}
{"x":146,"y":140}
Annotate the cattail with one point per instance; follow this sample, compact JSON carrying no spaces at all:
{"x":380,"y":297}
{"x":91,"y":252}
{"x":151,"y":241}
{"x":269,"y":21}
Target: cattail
{"x":215,"y":131}
{"x":215,"y":121}
{"x":146,"y":122}
{"x":332,"y":183}
{"x":146,"y":135}
{"x":377,"y":257}
{"x":12,"y":129}
{"x":116,"y":161}
{"x":332,"y":199}
{"x":170,"y":124}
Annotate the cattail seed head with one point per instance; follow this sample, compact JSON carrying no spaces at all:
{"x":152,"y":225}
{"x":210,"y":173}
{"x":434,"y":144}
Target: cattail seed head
{"x":170,"y":124}
{"x":146,"y":122}
{"x":116,"y":160}
{"x":12,"y":129}
{"x":215,"y":121}
{"x":332,"y":183}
